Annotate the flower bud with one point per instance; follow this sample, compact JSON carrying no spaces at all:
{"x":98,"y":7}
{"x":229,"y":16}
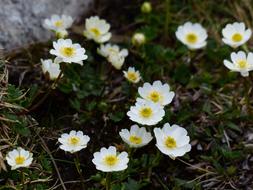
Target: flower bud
{"x":61,"y":34}
{"x":138,"y":39}
{"x":146,"y":7}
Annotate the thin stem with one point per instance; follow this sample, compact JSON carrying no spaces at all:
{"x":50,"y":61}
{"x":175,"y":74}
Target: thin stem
{"x":167,"y":18}
{"x":245,"y":48}
{"x":78,"y":168}
{"x":160,"y":181}
{"x":191,"y":59}
{"x":44,"y":145}
{"x":108,"y":181}
{"x":22,"y":175}
{"x":246,"y":93}
{"x":49,"y":90}
{"x":201,"y":169}
{"x":154,"y":163}
{"x":130,"y":152}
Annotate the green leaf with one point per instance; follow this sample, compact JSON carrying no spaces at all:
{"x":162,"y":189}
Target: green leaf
{"x":116,"y":117}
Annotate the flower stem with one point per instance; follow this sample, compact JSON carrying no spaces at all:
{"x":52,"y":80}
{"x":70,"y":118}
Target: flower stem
{"x":154,"y":163}
{"x":49,"y":90}
{"x":79,"y":170}
{"x":130,"y":152}
{"x":22,"y":176}
{"x":245,"y":48}
{"x":108,"y":181}
{"x":167,"y":18}
{"x":246,"y":94}
{"x":191,"y":59}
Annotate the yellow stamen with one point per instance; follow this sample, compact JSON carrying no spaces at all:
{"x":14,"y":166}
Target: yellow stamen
{"x":191,"y":38}
{"x":95,"y":31}
{"x":112,"y":50}
{"x":132,"y":76}
{"x":58,"y":23}
{"x":135,"y":140}
{"x":20,"y":160}
{"x":237,"y":37}
{"x":155,"y":96}
{"x":111,"y":160}
{"x":67,"y":51}
{"x":74,"y":140}
{"x":170,"y":142}
{"x":242,"y":64}
{"x":146,"y":112}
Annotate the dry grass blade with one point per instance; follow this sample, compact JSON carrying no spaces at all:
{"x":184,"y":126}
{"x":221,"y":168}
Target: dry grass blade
{"x":44,"y":146}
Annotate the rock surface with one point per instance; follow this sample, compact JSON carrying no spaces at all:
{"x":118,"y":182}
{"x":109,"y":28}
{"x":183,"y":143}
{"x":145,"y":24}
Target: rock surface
{"x":21,"y":20}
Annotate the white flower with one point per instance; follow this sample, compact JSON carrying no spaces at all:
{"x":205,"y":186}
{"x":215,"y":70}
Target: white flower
{"x":113,"y":54}
{"x":138,"y":39}
{"x":240,"y":63}
{"x":108,"y":160}
{"x":235,"y":34}
{"x":19,"y":158}
{"x":157,"y":92}
{"x":74,"y":141}
{"x":68,"y":52}
{"x":108,"y":49}
{"x":192,"y":35}
{"x":132,"y":75}
{"x":136,"y":137}
{"x":116,"y":60}
{"x":97,"y":29}
{"x":50,"y":67}
{"x":58,"y":23}
{"x":172,"y":140}
{"x":146,"y":112}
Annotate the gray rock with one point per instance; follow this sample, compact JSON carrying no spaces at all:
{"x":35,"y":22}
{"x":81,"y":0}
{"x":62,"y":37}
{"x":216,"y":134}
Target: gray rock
{"x":21,"y":20}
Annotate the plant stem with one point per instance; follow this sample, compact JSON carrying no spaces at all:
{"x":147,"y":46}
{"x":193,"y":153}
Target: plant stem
{"x":245,"y":48}
{"x":191,"y":59}
{"x":49,"y":90}
{"x":44,"y":146}
{"x":196,"y":167}
{"x":22,"y":175}
{"x":130,"y":152}
{"x":246,"y":94}
{"x":167,"y":18}
{"x":79,"y":170}
{"x":154,"y":163}
{"x":108,"y":181}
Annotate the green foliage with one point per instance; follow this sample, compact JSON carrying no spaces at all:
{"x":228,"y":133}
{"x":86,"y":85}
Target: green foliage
{"x":210,"y":103}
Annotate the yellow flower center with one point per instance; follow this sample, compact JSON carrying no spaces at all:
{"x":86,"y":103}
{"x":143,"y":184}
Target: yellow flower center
{"x":146,"y":112}
{"x":154,"y":96}
{"x":237,"y":37}
{"x":95,"y":31}
{"x":242,"y":64}
{"x":111,"y":160}
{"x":58,"y":23}
{"x":112,"y":50}
{"x":191,"y":38}
{"x":20,"y":160}
{"x":132,"y":76}
{"x":67,"y":51}
{"x":74,"y":140}
{"x":135,"y":140}
{"x":170,"y":142}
